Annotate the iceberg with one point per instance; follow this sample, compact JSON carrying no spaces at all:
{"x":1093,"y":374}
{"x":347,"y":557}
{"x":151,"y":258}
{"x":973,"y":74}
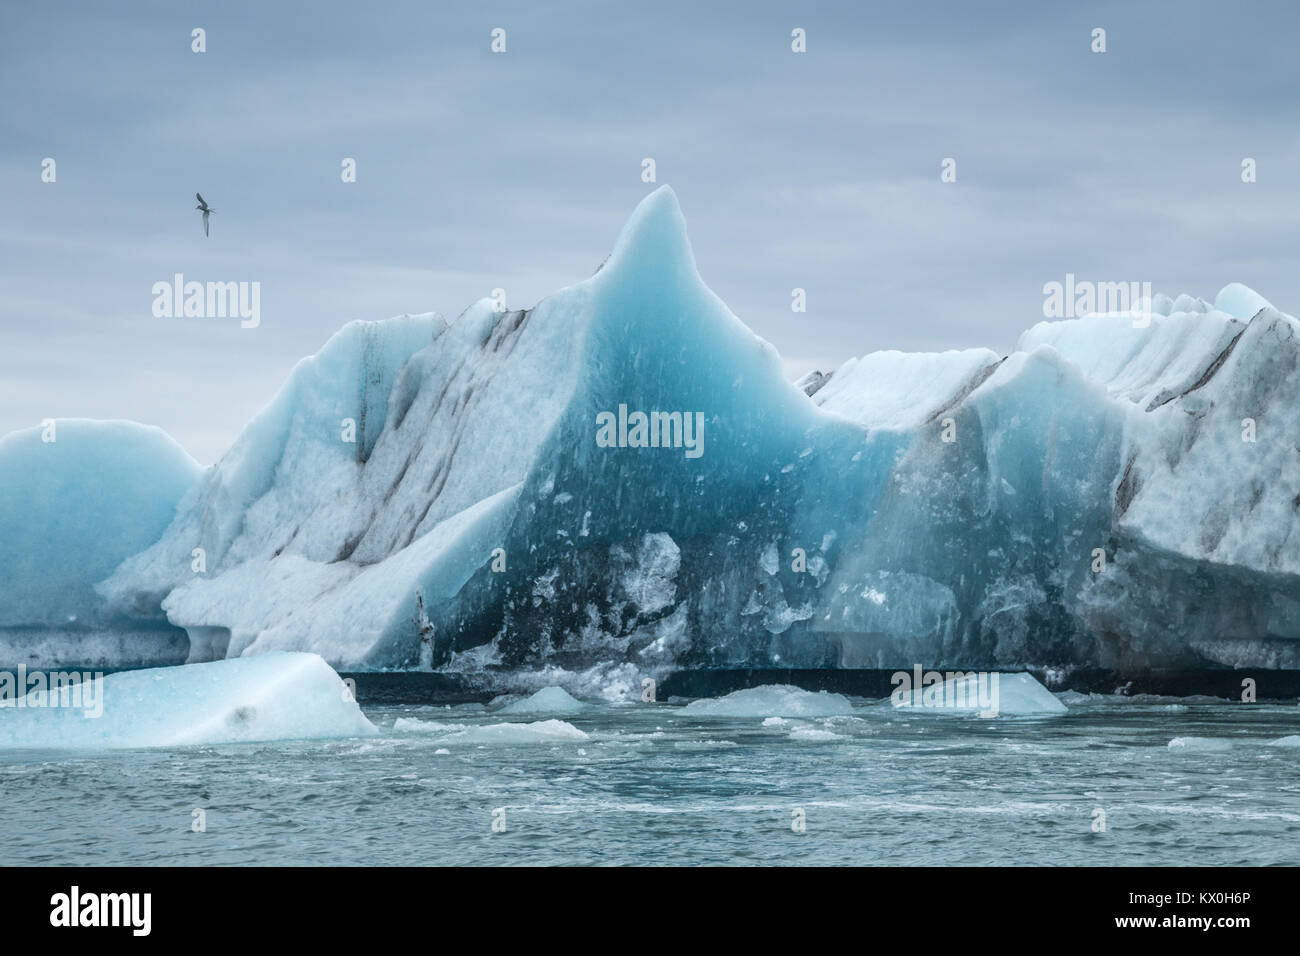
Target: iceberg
{"x":77,"y":498}
{"x":476,"y":506}
{"x":621,"y":478}
{"x":269,"y":697}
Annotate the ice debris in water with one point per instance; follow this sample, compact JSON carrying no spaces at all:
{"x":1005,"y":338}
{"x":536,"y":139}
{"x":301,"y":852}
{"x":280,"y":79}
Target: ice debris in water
{"x":1224,"y":744}
{"x":540,"y":731}
{"x":413,"y":725}
{"x":771,"y":700}
{"x":814,"y":734}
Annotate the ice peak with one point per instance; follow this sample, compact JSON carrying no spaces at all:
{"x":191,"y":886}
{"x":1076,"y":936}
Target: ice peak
{"x":1240,"y":301}
{"x":653,"y":239}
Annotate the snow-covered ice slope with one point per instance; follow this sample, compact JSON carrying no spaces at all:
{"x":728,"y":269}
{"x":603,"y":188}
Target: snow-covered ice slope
{"x":903,"y":390}
{"x":270,"y":697}
{"x":1120,"y":490}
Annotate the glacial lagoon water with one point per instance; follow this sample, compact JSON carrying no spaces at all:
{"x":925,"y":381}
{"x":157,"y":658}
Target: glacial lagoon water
{"x":659,"y":784}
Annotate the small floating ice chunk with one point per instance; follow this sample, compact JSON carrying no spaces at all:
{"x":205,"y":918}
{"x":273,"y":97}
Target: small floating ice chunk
{"x":412,"y":725}
{"x":772,"y":700}
{"x":978,"y":692}
{"x":1290,"y":741}
{"x":540,"y":731}
{"x":1072,"y":697}
{"x":814,"y":734}
{"x":1208,"y":744}
{"x":276,"y":696}
{"x":548,"y":700}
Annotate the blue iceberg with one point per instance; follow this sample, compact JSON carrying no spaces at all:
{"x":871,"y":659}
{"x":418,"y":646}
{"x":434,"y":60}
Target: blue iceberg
{"x":77,"y":498}
{"x":620,"y":478}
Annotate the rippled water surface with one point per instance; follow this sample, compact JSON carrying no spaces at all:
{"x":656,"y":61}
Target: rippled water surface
{"x":654,"y":784}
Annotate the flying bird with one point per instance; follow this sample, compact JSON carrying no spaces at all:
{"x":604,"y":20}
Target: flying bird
{"x":206,"y":211}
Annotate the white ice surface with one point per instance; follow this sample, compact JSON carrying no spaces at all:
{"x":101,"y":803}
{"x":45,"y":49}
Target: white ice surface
{"x":902,"y":390}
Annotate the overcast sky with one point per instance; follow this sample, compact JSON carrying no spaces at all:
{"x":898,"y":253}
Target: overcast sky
{"x":478,"y":170}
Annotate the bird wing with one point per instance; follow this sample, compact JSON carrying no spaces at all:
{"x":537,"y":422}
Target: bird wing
{"x":199,"y":198}
{"x":205,"y":222}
